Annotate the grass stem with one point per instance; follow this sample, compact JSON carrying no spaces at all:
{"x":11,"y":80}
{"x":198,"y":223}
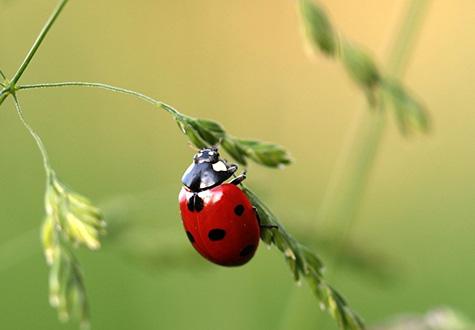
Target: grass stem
{"x":35,"y":136}
{"x":38,"y":41}
{"x":349,"y":179}
{"x":115,"y":89}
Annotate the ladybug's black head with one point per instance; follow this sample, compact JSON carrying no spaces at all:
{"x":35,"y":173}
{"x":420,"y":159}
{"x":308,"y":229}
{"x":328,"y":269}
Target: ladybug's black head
{"x":208,"y":155}
{"x":208,"y":170}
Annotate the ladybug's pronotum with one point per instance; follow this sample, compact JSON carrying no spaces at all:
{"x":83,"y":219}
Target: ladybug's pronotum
{"x":219,"y":220}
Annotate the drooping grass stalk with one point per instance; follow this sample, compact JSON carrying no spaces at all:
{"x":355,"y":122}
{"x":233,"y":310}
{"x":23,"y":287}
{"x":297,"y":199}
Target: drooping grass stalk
{"x":374,"y":82}
{"x":71,"y":220}
{"x":348,"y":181}
{"x":115,"y":89}
{"x":200,"y":132}
{"x":345,"y":194}
{"x":36,"y":137}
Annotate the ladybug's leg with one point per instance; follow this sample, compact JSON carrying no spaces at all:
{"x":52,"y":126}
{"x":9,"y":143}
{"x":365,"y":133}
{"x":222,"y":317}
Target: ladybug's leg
{"x":259,"y":221}
{"x":237,"y":180}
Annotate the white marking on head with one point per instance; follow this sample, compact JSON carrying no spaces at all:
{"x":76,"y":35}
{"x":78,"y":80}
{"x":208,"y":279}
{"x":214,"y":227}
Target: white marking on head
{"x":220,"y":166}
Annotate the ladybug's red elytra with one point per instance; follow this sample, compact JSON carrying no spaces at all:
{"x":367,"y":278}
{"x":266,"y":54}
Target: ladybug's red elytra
{"x":219,"y":220}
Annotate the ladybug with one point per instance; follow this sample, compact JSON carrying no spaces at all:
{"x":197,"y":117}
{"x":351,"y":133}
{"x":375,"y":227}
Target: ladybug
{"x":219,"y":220}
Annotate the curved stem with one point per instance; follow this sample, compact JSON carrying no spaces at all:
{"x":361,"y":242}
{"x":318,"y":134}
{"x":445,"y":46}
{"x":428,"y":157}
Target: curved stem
{"x":115,"y":89}
{"x":38,"y":41}
{"x":35,"y":136}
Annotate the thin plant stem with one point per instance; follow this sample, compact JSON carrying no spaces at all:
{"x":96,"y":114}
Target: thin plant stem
{"x":38,"y":41}
{"x":39,"y":142}
{"x":403,"y":45}
{"x":347,"y":183}
{"x":350,"y":176}
{"x":345,"y":194}
{"x":3,"y":83}
{"x":115,"y":89}
{"x":364,"y":141}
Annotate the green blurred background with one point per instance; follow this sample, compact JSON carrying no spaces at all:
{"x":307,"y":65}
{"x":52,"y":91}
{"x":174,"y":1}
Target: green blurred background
{"x":241,"y":63}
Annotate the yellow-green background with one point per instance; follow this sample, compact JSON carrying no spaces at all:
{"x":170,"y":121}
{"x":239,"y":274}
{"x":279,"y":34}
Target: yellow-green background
{"x":241,"y":63}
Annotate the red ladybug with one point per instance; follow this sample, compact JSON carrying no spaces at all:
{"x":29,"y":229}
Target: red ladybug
{"x":219,"y":220}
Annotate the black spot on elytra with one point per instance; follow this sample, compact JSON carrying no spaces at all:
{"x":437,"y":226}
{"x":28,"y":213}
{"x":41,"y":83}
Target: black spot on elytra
{"x":190,"y":237}
{"x":190,"y":205}
{"x":216,"y":234}
{"x":239,"y":209}
{"x":247,"y":250}
{"x":195,"y":203}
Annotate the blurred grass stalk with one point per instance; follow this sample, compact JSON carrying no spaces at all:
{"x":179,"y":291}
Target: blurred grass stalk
{"x":348,"y":181}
